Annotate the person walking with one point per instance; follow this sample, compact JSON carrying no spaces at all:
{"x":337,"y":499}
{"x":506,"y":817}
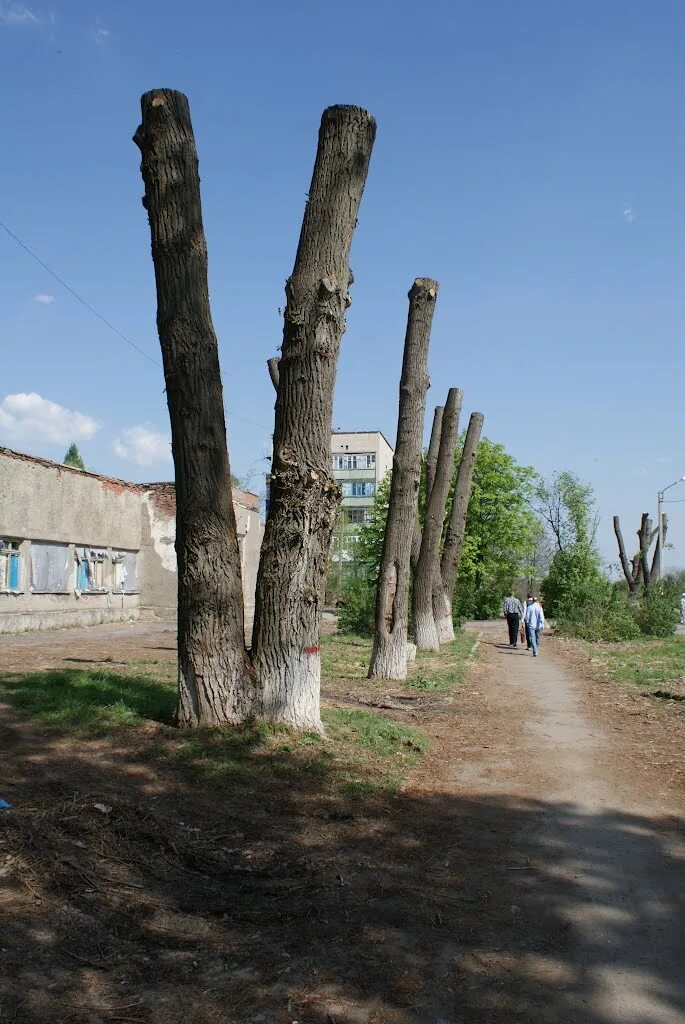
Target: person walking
{"x":513,"y":613}
{"x":534,"y":619}
{"x":529,"y":600}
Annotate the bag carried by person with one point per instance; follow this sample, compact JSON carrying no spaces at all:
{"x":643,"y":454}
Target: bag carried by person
{"x":523,"y":633}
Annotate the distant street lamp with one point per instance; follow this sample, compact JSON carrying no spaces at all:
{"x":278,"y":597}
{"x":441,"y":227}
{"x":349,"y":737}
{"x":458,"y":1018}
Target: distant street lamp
{"x":660,"y":524}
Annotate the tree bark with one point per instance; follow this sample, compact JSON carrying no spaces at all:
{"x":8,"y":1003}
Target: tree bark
{"x":446,"y":581}
{"x":389,"y":655}
{"x":214,"y":678}
{"x":428,"y":565}
{"x":630,"y":570}
{"x":656,"y":560}
{"x":431,"y":459}
{"x":304,"y":497}
{"x":644,"y":538}
{"x":274,"y":371}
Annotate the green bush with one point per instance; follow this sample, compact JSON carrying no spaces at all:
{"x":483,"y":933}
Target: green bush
{"x":658,"y":611}
{"x":358,"y":612}
{"x":604,"y":615}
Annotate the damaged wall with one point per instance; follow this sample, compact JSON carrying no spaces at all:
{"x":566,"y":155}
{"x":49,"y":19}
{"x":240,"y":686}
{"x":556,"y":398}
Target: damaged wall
{"x":93,"y":549}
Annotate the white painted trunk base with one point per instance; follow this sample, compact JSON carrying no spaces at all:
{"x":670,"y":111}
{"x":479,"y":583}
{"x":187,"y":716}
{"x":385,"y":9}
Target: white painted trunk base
{"x":389,"y":657}
{"x":445,"y":628}
{"x":291,"y":691}
{"x":425,"y":632}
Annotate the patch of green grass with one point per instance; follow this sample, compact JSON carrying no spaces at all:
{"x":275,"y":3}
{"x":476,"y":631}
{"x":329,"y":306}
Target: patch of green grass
{"x":90,"y":703}
{"x":440,"y":671}
{"x":361,"y":750}
{"x":345,"y":659}
{"x":648,"y":664}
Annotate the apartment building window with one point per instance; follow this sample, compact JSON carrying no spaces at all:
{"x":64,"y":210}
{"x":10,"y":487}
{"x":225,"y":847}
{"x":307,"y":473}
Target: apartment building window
{"x":49,"y":568}
{"x":125,"y":572}
{"x":358,"y":489}
{"x":355,"y":515}
{"x":10,"y":576}
{"x":365,"y":461}
{"x":92,"y":573}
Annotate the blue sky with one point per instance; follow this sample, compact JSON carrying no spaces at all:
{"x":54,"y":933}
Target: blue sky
{"x":529,"y":156}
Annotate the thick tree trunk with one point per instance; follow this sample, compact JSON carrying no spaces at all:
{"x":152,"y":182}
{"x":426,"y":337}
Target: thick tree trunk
{"x":630,"y":569}
{"x":655,"y":571}
{"x":389,"y":655}
{"x":431,"y":460}
{"x":304,"y":497}
{"x":644,"y":539}
{"x":454,"y":541}
{"x":428,"y":565}
{"x":215,"y":682}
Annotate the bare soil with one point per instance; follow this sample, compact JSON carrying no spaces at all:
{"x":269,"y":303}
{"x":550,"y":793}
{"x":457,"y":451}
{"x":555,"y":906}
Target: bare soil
{"x":532,"y":868}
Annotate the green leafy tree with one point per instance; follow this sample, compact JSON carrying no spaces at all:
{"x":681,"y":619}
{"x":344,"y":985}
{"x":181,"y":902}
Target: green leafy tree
{"x":370,"y":546}
{"x":500,"y":531}
{"x":73,"y":458}
{"x":500,"y":528}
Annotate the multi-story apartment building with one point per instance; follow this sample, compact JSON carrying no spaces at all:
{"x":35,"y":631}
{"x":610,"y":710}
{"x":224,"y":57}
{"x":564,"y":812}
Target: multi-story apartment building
{"x":361,"y":459}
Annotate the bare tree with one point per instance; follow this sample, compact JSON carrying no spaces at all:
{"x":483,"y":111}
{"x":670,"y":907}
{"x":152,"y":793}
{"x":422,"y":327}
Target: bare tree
{"x":431,"y":460}
{"x":566,"y":505}
{"x":215,"y":680}
{"x":637,"y":570}
{"x":389,"y":655}
{"x":446,"y":579}
{"x":304,"y":496}
{"x":428,"y":564}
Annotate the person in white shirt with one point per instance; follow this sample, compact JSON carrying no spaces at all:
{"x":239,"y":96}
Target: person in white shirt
{"x":534,"y":619}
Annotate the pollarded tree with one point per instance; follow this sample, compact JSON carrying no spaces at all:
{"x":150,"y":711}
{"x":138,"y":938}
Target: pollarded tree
{"x":638,"y":571}
{"x":450,"y":561}
{"x":428,"y":564}
{"x":389,"y":655}
{"x":428,"y":478}
{"x":217,"y":681}
{"x":304,"y":497}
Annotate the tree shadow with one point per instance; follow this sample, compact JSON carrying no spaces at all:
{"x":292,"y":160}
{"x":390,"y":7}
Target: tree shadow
{"x":280,"y":896}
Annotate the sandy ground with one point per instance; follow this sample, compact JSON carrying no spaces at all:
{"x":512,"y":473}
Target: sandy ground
{"x":533,"y":869}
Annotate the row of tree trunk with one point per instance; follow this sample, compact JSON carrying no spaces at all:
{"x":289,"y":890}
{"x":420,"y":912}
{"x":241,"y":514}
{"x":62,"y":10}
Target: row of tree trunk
{"x":412,"y":557}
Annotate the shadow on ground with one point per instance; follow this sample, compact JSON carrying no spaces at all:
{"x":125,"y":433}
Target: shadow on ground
{"x":297,"y":903}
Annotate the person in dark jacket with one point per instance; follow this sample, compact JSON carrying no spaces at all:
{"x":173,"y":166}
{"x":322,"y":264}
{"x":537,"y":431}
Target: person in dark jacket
{"x":513,"y":613}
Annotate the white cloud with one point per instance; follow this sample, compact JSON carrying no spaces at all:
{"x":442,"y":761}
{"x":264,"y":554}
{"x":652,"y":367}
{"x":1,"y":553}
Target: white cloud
{"x":143,"y":446}
{"x":13,"y":15}
{"x":31,"y":417}
{"x":100,"y":33}
{"x":46,"y":300}
{"x":628,"y":214}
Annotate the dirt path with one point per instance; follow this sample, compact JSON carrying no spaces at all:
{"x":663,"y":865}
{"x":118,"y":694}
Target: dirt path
{"x":614,"y":871}
{"x":533,"y":870}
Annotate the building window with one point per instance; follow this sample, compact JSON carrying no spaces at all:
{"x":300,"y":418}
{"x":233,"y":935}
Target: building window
{"x":10,"y":576}
{"x":125,"y":572}
{"x":49,"y":568}
{"x":365,"y":461}
{"x":355,"y":515}
{"x":357,"y":489}
{"x":91,"y":570}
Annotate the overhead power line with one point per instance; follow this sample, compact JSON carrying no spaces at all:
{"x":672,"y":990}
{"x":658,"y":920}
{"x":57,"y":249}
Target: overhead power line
{"x":103,"y":319}
{"x":79,"y":298}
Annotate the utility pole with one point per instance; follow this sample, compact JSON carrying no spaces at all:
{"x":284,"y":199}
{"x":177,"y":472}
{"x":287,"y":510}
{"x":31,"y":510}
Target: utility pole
{"x":660,"y":525}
